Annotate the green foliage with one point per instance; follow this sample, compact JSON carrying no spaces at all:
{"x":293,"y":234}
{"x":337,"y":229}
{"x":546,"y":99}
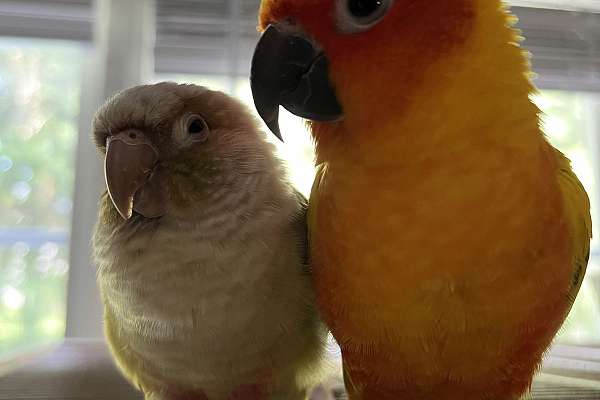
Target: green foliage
{"x":39,"y":104}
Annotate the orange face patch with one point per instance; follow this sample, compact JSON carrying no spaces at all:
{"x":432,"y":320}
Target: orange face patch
{"x":432,"y":26}
{"x":376,"y":70}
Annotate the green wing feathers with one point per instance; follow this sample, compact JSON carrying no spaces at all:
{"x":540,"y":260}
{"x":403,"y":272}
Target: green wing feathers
{"x":577,"y":206}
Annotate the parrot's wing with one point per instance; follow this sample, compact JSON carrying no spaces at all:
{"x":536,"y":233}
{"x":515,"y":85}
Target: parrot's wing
{"x":314,"y":198}
{"x":352,"y":389}
{"x":301,"y":225}
{"x":580,"y":221}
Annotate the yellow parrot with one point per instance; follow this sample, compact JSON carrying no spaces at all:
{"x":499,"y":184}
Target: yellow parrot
{"x":448,"y":238}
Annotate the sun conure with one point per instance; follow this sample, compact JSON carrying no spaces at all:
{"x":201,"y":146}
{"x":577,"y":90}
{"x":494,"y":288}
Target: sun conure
{"x":448,"y":237}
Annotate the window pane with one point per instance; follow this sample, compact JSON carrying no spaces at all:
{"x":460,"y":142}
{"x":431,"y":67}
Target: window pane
{"x":39,"y":103}
{"x":569,"y":123}
{"x":298,"y":150}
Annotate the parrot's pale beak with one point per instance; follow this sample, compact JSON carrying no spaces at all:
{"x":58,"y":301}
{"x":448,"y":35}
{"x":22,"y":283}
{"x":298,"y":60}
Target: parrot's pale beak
{"x":289,"y":70}
{"x":129,"y":163}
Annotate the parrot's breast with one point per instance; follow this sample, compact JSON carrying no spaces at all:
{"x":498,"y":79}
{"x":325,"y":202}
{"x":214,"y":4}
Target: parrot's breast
{"x":212,"y":314}
{"x":443,"y":273}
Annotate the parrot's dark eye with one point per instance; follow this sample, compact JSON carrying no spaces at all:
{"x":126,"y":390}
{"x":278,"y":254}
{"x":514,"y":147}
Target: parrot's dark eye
{"x":196,"y":127}
{"x":363,"y":8}
{"x":354,"y":16}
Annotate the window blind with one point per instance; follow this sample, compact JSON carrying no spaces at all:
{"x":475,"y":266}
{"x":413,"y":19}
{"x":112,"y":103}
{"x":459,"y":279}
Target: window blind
{"x":565,"y":47}
{"x":52,"y":19}
{"x":206,"y":36}
{"x":217,"y":37}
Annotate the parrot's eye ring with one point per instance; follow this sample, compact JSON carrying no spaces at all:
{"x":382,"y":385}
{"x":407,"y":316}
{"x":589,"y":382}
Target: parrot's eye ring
{"x":353,"y":16}
{"x":196,"y":127}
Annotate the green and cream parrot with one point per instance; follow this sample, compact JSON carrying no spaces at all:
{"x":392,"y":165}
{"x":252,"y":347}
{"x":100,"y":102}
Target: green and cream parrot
{"x":201,"y":251}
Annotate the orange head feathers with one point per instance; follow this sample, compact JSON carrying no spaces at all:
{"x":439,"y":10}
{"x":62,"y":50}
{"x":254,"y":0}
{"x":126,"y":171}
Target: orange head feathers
{"x":374,"y":48}
{"x":394,"y":71}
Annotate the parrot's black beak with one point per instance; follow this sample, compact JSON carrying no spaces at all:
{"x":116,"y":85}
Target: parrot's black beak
{"x":289,"y":70}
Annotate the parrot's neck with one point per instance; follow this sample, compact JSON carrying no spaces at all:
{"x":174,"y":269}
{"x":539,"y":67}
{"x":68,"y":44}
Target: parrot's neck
{"x":476,"y":96}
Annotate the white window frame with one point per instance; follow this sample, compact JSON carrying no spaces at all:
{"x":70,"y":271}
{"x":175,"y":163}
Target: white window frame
{"x":123,"y":56}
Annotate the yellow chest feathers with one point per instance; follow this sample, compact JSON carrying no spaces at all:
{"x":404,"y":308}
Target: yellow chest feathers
{"x":408,"y":248}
